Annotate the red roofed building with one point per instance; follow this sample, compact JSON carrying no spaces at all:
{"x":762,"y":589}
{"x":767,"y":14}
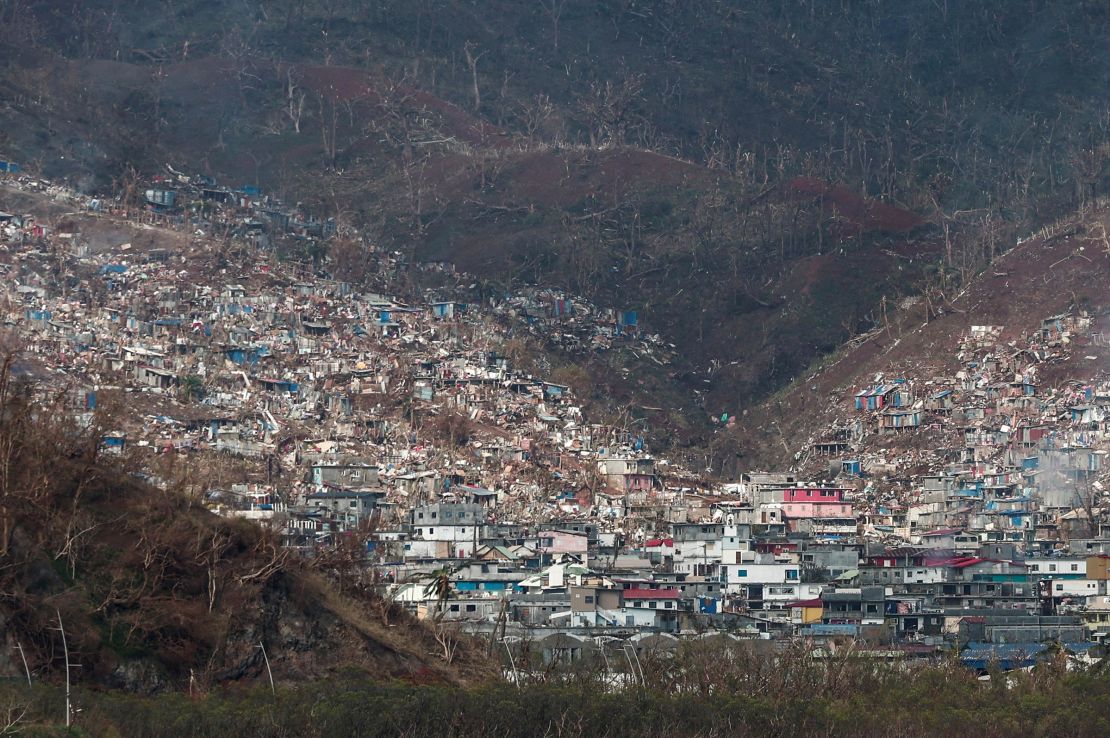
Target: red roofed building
{"x":654,"y":608}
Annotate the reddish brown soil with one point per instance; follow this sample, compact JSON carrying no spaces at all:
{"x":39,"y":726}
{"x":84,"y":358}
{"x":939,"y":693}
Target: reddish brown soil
{"x":563,"y":179}
{"x":861,"y":214}
{"x":543,"y":181}
{"x":346,"y":84}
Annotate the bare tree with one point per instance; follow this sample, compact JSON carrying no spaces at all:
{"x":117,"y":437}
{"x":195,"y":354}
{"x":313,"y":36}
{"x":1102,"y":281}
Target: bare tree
{"x":28,"y":446}
{"x":449,"y":637}
{"x":554,"y":11}
{"x":294,"y":101}
{"x":606,"y":109}
{"x":1088,"y":166}
{"x":329,"y":125}
{"x":209,"y":555}
{"x":472,"y":58}
{"x":535,"y":113}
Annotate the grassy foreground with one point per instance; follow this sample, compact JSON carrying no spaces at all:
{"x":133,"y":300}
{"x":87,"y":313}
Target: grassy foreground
{"x":862,"y":701}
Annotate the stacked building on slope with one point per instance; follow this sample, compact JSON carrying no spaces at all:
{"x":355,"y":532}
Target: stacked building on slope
{"x":958,"y":510}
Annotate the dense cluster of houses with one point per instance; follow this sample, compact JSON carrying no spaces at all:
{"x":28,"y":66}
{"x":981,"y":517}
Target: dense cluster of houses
{"x":958,"y":511}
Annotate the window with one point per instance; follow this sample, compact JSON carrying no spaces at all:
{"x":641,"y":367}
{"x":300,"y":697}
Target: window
{"x":589,"y":599}
{"x":434,"y":514}
{"x":1052,"y":567}
{"x":653,"y":605}
{"x":741,"y":572}
{"x":1075,"y":567}
{"x":791,"y":573}
{"x":471,"y":608}
{"x":354,"y":503}
{"x":667,"y":605}
{"x":431,"y":531}
{"x":447,"y":515}
{"x":454,"y":608}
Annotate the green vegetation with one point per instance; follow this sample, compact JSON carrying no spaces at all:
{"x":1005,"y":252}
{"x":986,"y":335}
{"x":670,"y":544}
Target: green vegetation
{"x":864,"y":701}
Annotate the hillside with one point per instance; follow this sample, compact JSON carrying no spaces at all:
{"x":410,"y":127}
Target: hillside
{"x":1063,"y":269}
{"x":759,"y":183}
{"x":415,"y":366}
{"x":156,"y":593}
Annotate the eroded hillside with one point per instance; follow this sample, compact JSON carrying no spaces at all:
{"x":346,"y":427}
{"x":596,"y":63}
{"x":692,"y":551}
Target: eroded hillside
{"x":154,"y":592}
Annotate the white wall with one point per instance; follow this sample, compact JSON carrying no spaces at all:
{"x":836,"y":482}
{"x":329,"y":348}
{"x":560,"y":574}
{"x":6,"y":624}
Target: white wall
{"x":736,"y":575}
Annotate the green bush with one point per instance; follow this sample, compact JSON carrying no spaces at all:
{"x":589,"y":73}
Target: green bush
{"x":800,"y":697}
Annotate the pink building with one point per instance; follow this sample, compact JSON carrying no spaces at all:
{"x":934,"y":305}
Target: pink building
{"x":638,"y":483}
{"x":628,"y":474}
{"x":562,"y":541}
{"x":815,"y":502}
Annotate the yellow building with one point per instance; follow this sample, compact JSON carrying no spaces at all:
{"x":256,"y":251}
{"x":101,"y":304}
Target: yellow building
{"x":806,"y":612}
{"x":1098,"y":567}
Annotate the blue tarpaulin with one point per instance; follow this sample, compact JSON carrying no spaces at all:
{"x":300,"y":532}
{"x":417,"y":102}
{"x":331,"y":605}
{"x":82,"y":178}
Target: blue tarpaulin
{"x":1003,"y":655}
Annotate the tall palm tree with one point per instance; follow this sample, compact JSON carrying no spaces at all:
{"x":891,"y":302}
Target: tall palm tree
{"x":440,"y":585}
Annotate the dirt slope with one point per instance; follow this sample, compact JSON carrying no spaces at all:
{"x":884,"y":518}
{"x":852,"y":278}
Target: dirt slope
{"x":1036,"y":279}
